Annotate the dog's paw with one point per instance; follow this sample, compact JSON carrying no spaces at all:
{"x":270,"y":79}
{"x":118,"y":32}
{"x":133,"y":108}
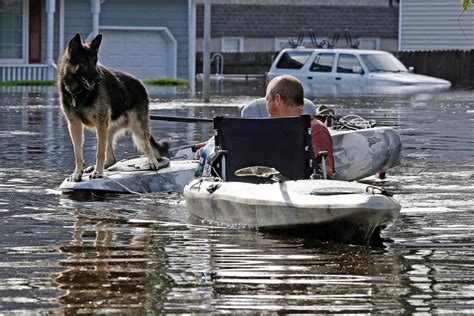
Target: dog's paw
{"x":89,"y":169}
{"x":95,"y":175}
{"x":75,"y":177}
{"x":154,"y":164}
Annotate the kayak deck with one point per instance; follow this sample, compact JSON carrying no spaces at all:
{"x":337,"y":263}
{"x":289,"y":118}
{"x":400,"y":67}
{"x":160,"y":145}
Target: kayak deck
{"x":134,"y":176}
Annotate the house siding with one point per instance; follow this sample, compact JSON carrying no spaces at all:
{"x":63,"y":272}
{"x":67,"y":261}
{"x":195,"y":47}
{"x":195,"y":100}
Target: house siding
{"x":77,"y":19}
{"x":172,"y":14}
{"x":435,"y":25}
{"x":259,"y":44}
{"x":389,"y":44}
{"x":255,"y":44}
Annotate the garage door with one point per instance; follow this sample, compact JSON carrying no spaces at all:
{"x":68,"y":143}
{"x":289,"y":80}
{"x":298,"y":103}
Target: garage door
{"x":145,"y":54}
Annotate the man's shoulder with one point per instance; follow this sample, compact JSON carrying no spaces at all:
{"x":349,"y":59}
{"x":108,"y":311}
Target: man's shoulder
{"x":316,"y":122}
{"x":317,"y":125}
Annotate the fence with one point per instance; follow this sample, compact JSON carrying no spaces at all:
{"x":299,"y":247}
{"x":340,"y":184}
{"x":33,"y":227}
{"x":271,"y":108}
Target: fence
{"x":241,"y":63}
{"x":454,"y":65}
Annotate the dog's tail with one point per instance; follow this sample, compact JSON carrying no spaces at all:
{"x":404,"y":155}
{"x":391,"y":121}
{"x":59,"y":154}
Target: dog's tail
{"x":161,"y":148}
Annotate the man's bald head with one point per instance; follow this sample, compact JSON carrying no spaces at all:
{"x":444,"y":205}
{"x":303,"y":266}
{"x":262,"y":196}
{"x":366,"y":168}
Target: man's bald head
{"x":289,"y":88}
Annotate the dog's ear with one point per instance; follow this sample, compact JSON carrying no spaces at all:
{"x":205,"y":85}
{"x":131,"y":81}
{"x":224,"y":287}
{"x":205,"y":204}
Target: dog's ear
{"x":96,"y":42}
{"x":75,"y":42}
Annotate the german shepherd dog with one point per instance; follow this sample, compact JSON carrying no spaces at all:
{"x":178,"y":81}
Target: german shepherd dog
{"x":106,"y":100}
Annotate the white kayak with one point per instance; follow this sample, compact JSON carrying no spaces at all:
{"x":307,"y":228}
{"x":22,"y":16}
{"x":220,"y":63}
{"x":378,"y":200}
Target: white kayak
{"x":134,"y":175}
{"x":362,"y":153}
{"x":327,"y":209}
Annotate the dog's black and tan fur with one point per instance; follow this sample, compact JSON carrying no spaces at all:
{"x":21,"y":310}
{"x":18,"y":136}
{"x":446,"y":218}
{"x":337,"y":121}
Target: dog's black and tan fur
{"x":106,"y":100}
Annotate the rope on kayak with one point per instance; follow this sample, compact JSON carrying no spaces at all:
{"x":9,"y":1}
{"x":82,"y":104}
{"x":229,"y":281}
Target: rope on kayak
{"x":352,"y":122}
{"x":127,"y":189}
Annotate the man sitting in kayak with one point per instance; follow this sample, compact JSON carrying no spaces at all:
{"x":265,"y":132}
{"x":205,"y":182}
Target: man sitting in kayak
{"x":284,"y":97}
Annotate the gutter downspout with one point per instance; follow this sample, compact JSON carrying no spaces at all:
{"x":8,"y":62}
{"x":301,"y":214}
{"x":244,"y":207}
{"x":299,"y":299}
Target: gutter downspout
{"x":61,"y":26}
{"x":400,"y":19}
{"x":192,"y":45}
{"x":95,"y":10}
{"x":50,"y":9}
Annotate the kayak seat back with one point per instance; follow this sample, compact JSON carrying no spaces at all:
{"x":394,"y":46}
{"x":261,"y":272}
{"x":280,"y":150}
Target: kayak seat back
{"x":283,"y":143}
{"x":258,"y":109}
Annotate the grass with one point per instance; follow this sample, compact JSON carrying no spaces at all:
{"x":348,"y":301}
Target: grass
{"x":153,"y":82}
{"x":166,"y":82}
{"x":28,"y":83}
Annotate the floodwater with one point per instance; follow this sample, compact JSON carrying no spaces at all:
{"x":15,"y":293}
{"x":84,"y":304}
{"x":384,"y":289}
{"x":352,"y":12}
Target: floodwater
{"x":135,"y":254}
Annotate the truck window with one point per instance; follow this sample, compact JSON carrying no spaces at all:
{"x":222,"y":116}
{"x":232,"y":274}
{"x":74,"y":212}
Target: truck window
{"x":346,"y":63}
{"x":293,"y":60}
{"x":322,"y":63}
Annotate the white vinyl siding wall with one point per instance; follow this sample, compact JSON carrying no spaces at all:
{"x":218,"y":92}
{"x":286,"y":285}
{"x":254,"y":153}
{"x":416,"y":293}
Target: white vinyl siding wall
{"x":433,"y":25}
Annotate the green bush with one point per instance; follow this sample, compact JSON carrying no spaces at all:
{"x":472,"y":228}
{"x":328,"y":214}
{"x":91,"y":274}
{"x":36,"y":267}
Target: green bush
{"x":166,"y":82}
{"x":28,"y":83}
{"x":155,"y":82}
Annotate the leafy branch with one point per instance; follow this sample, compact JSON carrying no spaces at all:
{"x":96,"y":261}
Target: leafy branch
{"x":466,"y":4}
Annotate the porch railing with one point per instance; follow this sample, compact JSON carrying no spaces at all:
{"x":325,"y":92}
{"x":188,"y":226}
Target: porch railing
{"x":27,"y":72}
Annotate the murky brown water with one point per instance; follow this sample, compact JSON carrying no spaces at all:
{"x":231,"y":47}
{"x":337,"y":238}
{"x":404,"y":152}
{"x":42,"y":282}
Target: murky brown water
{"x":142,"y":253}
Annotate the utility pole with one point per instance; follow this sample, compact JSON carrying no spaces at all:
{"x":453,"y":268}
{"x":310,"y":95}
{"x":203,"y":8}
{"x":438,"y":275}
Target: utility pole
{"x":206,"y":62}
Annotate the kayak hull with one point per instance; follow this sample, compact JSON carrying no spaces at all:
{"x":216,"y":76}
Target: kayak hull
{"x":133,"y":175}
{"x":341,"y":211}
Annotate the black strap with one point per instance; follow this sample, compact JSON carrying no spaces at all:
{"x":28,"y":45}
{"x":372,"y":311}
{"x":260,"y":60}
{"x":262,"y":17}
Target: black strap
{"x":309,"y":141}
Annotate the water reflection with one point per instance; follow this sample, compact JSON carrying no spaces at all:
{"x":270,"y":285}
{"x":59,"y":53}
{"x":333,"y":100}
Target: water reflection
{"x":103,"y":269}
{"x":145,"y":265}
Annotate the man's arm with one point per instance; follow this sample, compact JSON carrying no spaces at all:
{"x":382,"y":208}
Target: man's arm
{"x":322,"y":141}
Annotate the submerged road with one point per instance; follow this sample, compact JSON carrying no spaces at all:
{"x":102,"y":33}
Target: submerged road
{"x":143,"y":253}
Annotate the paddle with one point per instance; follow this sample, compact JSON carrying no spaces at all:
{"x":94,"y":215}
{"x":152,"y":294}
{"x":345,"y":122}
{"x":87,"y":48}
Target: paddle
{"x":186,"y":119}
{"x":185,"y":154}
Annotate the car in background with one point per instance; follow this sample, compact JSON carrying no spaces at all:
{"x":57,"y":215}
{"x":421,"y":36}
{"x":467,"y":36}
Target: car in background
{"x":324,"y":71}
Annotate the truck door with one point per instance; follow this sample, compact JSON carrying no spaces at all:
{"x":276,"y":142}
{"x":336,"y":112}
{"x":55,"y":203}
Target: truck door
{"x":319,"y":76}
{"x":349,"y":75}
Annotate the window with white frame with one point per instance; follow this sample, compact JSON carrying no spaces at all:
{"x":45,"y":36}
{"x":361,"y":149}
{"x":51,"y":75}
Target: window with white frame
{"x":13,"y":16}
{"x":232,"y":44}
{"x":369,"y":43}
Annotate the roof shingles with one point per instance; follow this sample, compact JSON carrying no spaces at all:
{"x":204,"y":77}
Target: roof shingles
{"x":288,"y":20}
